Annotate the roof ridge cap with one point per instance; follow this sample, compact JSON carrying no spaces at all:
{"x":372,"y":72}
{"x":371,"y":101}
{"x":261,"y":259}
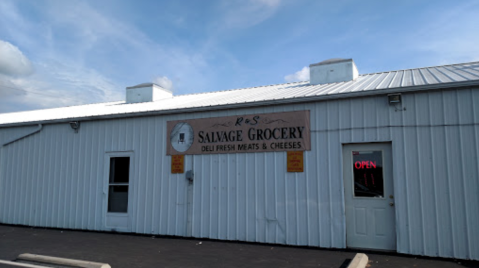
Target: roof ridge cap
{"x":426,"y":67}
{"x":227,"y":90}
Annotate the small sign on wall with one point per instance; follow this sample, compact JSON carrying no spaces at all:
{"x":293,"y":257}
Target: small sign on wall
{"x":177,"y":164}
{"x":295,"y":161}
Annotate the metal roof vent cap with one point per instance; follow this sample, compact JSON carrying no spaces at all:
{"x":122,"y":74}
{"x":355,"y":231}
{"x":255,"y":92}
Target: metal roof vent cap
{"x":147,"y":92}
{"x":332,"y":71}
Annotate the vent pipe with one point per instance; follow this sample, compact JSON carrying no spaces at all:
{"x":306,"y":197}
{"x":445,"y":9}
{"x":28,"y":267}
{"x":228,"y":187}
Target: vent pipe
{"x":146,"y":92}
{"x":332,"y":71}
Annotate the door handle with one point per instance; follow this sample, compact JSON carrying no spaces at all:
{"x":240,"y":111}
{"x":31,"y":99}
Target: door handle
{"x":391,"y":204}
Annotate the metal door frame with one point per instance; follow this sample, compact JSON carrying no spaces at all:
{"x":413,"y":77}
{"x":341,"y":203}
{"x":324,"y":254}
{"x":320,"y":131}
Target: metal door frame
{"x":387,"y":143}
{"x":131,"y":188}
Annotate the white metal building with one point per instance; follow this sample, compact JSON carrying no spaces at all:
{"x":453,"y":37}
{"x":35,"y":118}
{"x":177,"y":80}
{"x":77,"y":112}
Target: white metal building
{"x":393,"y":164}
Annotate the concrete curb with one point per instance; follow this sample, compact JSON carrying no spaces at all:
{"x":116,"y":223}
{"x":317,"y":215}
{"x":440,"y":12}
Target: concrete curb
{"x":61,"y":261}
{"x":359,"y":261}
{"x":18,"y":264}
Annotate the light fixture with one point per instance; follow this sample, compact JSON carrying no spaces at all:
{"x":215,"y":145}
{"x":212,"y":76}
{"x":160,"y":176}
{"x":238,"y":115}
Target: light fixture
{"x":75,"y":125}
{"x":394,"y":99}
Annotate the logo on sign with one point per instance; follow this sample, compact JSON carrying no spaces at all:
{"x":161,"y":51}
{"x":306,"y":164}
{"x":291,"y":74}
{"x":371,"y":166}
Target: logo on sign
{"x":182,"y":137}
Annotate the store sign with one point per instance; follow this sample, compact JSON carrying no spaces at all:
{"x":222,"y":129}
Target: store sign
{"x":274,"y":132}
{"x":177,"y":164}
{"x":295,"y":161}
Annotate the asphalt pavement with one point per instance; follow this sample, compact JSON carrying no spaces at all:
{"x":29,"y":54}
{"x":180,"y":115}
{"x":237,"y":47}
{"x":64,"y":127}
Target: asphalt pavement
{"x":130,"y":250}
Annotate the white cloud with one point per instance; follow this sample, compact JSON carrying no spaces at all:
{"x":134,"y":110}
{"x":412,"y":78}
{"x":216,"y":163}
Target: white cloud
{"x":56,"y":85}
{"x":105,"y":37}
{"x":271,"y":3}
{"x":243,"y":14}
{"x":444,"y":36}
{"x":451,"y":43}
{"x":87,"y":55}
{"x":12,"y":61}
{"x":164,"y":82}
{"x":8,"y":88}
{"x":79,"y":61}
{"x":301,"y":75}
{"x":61,"y":76}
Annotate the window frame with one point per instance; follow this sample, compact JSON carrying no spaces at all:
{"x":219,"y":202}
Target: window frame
{"x":130,"y":184}
{"x":352,"y":174}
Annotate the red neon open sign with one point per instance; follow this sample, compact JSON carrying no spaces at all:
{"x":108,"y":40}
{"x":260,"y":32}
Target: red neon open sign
{"x":365,"y":164}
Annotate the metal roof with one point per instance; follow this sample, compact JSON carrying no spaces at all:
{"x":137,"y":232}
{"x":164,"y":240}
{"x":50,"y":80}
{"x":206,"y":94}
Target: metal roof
{"x":428,"y":78}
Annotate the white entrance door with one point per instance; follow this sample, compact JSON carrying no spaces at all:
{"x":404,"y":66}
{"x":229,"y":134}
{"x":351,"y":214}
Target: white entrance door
{"x":118,"y":190}
{"x":369,"y":196}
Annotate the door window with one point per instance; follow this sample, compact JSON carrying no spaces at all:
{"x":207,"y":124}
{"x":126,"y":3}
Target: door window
{"x":118,"y":184}
{"x":368,"y":174}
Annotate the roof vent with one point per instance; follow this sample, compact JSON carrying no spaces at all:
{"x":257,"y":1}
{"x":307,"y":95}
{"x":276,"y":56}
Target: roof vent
{"x":146,"y":92}
{"x":332,"y":71}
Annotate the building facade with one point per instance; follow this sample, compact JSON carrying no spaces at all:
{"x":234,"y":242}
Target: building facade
{"x":392,"y":165}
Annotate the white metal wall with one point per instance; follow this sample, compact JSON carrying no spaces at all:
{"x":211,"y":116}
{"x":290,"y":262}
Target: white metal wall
{"x":56,"y":178}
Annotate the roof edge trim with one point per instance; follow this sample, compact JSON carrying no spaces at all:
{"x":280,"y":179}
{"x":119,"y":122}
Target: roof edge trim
{"x":356,"y":94}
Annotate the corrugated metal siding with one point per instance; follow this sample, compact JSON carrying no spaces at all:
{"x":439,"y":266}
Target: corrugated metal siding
{"x":433,"y":192}
{"x":250,"y":197}
{"x":57,"y":178}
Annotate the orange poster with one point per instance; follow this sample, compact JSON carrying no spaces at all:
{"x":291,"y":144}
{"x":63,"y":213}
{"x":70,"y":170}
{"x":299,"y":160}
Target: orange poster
{"x":295,"y":161}
{"x":177,"y":164}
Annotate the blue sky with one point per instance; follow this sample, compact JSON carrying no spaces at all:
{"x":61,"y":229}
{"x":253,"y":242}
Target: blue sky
{"x":66,"y":52}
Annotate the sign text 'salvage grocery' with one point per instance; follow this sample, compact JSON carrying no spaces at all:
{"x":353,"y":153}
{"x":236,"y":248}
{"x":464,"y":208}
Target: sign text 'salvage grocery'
{"x":263,"y":132}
